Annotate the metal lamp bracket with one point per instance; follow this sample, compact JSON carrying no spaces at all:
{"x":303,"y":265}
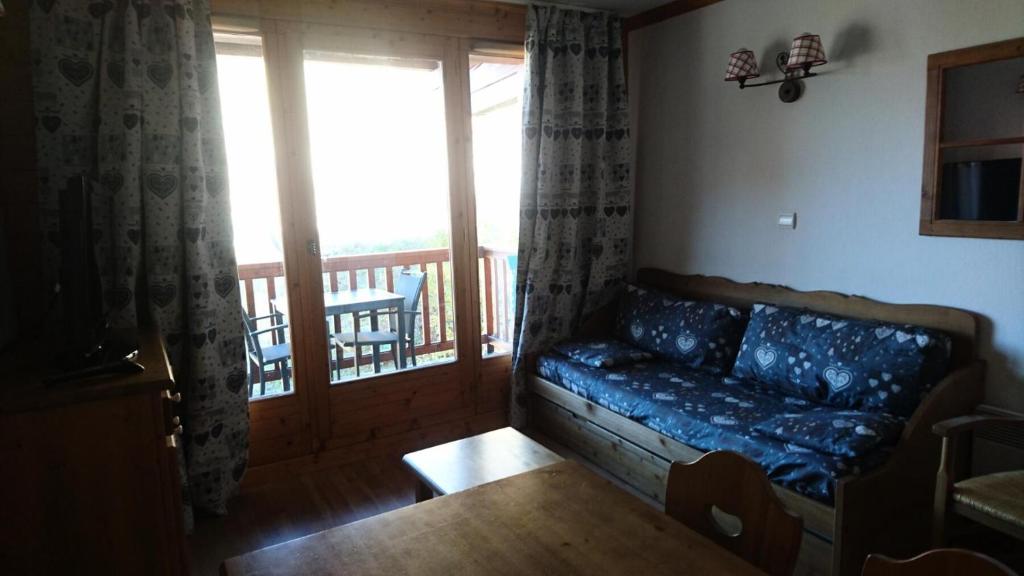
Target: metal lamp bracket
{"x":790,"y":87}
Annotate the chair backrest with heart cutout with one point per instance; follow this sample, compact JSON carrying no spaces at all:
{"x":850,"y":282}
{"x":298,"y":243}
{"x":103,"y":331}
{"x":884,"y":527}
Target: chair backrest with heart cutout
{"x":728,"y":498}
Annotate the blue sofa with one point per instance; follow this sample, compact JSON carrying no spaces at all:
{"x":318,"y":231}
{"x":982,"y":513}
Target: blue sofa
{"x":830,"y":394}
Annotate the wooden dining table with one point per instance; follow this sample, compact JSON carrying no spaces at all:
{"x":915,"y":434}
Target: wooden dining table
{"x":559,"y":519}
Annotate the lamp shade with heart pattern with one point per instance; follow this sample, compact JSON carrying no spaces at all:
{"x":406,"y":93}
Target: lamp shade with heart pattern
{"x":742,"y":66}
{"x":806,"y":52}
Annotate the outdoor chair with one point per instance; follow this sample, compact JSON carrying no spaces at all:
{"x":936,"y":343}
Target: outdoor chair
{"x":261,"y":356}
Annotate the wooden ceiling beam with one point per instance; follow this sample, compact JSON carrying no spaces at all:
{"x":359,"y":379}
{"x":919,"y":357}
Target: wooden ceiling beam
{"x":474,"y":19}
{"x":663,"y":12}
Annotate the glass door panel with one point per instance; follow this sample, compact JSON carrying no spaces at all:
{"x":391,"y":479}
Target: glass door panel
{"x":378,"y":150}
{"x":496,"y":88}
{"x":255,"y":212}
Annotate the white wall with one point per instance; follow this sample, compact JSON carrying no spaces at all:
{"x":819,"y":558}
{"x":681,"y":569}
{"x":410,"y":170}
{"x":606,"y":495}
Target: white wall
{"x":716,"y":165}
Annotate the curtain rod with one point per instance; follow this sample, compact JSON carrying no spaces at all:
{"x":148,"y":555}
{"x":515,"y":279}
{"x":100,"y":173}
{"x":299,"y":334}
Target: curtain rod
{"x":573,"y":7}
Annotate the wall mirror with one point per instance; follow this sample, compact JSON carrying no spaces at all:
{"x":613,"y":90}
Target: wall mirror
{"x":973,"y":181}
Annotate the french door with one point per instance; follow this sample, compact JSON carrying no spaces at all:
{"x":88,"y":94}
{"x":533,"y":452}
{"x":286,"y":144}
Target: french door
{"x":381,"y":154}
{"x":378,"y":282}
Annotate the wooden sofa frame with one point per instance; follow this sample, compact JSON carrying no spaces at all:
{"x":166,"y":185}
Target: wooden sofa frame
{"x":887,"y":510}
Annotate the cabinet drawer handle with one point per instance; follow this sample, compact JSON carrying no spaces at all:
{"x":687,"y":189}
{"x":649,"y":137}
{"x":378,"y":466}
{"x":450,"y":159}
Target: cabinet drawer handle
{"x":177,"y":429}
{"x":176,"y":397}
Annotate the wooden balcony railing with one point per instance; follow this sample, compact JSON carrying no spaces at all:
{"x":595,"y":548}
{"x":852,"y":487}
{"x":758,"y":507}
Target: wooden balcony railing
{"x":497,"y":291}
{"x":435,"y":330}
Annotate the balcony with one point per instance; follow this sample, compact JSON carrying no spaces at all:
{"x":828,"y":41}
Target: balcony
{"x":435,"y":327}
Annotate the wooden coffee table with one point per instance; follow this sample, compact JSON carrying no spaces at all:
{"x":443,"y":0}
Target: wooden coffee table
{"x":477,"y":460}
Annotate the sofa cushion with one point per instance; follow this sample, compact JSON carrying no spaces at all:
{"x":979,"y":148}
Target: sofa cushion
{"x":709,"y":412}
{"x":842,"y":362}
{"x":602,"y":353}
{"x":696,"y":334}
{"x":841,"y":432}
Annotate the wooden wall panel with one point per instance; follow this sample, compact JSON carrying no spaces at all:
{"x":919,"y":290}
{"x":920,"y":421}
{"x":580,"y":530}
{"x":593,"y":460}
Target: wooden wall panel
{"x":278,"y":431}
{"x":19,"y":206}
{"x":493,"y":384}
{"x":266,"y":450}
{"x":396,"y":404}
{"x":428,"y":435}
{"x":401,"y":404}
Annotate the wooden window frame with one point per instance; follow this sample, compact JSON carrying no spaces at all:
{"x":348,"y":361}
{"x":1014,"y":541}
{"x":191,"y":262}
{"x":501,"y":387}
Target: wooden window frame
{"x":295,"y":432}
{"x":280,"y":425}
{"x":931,"y":183}
{"x":498,"y":52}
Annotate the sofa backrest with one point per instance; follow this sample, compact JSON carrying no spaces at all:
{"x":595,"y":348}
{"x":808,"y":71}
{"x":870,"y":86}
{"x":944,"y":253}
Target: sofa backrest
{"x":959,"y":324}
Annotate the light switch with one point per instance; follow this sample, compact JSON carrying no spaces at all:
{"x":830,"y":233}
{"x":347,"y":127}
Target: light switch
{"x":787,"y":220}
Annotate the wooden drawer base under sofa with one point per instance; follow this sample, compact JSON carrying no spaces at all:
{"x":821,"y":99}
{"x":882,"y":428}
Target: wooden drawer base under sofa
{"x":880,"y":502}
{"x":647,"y":472}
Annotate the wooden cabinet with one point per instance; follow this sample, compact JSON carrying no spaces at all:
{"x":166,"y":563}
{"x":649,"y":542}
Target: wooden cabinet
{"x":974,"y":138}
{"x":88,"y":471}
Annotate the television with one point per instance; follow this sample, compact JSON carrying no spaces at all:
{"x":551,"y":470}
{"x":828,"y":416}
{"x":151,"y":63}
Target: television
{"x":980,"y":190}
{"x":82,"y":320}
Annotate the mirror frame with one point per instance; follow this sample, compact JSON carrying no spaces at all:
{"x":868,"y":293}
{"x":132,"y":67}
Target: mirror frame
{"x":931,"y":180}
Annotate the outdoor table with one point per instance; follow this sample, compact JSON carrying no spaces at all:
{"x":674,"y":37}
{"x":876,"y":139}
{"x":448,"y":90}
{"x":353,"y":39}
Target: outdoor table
{"x":364,"y":300}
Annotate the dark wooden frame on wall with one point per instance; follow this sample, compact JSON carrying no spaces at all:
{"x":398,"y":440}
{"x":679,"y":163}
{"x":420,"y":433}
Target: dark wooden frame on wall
{"x":931,"y":180}
{"x":655,"y":15}
{"x":663,"y":12}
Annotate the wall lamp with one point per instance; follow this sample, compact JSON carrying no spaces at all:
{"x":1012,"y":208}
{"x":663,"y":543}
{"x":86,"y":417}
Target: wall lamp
{"x":805,"y":53}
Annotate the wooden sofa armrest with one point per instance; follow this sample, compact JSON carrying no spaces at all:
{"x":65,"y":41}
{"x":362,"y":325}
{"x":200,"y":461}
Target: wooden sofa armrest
{"x":960,"y":424}
{"x":956,"y":396}
{"x":954,"y":399}
{"x":904,"y":486}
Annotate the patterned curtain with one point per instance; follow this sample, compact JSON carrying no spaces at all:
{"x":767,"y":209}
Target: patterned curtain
{"x":126,"y":93}
{"x":575,"y":221}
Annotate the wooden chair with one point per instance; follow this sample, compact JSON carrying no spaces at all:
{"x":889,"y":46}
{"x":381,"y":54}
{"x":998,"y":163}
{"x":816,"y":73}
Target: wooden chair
{"x":760,"y":529}
{"x":994,"y":500}
{"x":941,"y":562}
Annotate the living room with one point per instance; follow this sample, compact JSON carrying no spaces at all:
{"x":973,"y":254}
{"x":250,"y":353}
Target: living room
{"x":746,"y":273}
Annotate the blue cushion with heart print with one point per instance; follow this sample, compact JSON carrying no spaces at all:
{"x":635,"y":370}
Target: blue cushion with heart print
{"x":602,"y":353}
{"x":842,"y":362}
{"x":849,"y":433}
{"x":696,"y":334}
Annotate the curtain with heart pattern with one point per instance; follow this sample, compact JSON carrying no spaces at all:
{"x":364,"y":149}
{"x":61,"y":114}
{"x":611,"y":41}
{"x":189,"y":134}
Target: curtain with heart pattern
{"x":575,"y":220}
{"x":126,"y":93}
